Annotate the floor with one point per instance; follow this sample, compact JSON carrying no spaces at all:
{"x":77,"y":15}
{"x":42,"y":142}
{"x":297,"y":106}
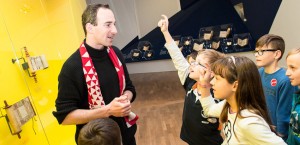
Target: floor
{"x":159,"y":104}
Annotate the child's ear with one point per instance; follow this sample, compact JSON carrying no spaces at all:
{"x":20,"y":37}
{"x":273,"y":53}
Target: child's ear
{"x":235,"y":85}
{"x":278,"y":54}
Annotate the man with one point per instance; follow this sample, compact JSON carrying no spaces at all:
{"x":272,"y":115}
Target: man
{"x":277,"y":88}
{"x":94,"y":81}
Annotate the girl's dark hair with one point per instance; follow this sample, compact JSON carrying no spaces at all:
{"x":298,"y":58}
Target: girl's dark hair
{"x":249,"y":93}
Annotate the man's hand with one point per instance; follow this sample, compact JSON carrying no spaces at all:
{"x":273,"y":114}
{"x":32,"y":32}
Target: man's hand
{"x":119,"y":107}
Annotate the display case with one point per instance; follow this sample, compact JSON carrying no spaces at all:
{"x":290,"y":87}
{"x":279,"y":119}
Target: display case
{"x":242,"y":42}
{"x":198,"y":44}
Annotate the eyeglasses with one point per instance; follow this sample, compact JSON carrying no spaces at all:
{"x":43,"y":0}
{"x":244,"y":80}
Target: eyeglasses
{"x":261,"y":52}
{"x":195,"y":63}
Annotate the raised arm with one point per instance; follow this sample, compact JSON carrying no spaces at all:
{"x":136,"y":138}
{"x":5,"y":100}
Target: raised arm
{"x":178,"y":59}
{"x":164,"y":25}
{"x":210,"y":107}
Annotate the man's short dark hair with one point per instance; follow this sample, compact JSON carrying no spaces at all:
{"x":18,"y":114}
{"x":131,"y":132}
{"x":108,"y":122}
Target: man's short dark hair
{"x":90,"y":14}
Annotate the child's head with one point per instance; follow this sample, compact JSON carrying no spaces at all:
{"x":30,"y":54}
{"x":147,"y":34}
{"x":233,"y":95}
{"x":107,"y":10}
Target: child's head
{"x":204,"y":59}
{"x":237,"y":79}
{"x":269,"y":48}
{"x":102,"y":131}
{"x":293,"y":66}
{"x":208,"y":56}
{"x":192,"y":57}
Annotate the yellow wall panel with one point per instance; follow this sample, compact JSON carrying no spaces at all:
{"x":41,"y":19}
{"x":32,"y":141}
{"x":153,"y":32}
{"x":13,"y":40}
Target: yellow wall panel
{"x":49,"y":27}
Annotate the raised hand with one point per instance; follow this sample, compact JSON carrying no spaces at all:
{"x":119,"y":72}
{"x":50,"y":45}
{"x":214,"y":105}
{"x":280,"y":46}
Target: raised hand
{"x":203,"y":84}
{"x":163,"y":23}
{"x":206,"y":76}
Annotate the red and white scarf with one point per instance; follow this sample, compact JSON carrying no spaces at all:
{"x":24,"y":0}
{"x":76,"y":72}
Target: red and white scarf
{"x":95,"y":97}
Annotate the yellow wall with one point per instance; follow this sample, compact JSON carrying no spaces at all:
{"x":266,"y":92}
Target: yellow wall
{"x":49,"y":27}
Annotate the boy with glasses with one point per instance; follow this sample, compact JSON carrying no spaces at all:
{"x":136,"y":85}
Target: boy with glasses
{"x":277,"y":88}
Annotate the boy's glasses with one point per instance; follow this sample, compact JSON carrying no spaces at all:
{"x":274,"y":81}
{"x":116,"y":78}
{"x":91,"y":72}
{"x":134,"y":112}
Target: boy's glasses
{"x":261,"y":52}
{"x":195,"y":63}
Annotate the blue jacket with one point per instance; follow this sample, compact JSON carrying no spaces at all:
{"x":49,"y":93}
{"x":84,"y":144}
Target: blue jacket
{"x":278,"y":92}
{"x":294,"y":130}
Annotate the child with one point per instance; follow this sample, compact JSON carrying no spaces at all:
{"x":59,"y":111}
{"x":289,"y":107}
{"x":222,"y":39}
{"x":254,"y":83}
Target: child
{"x":293,"y":72}
{"x":197,"y":129}
{"x":192,"y":57}
{"x":103,"y":131}
{"x":277,"y":87}
{"x":243,"y":111}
